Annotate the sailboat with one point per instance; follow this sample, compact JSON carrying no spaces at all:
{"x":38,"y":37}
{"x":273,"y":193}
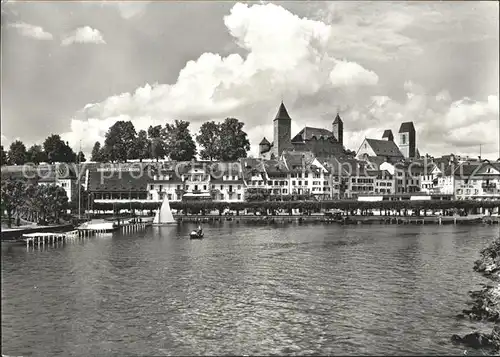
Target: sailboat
{"x":164,"y":215}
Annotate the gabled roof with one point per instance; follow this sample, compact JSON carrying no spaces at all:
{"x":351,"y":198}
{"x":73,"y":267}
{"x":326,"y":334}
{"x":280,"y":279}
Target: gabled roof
{"x":345,"y":166}
{"x":275,"y":167}
{"x":282,"y":113}
{"x":264,"y":142}
{"x":123,"y":181}
{"x":297,"y":159}
{"x":376,"y":160}
{"x":407,"y":127}
{"x":384,"y":148}
{"x":309,"y":132}
{"x":252,"y":166}
{"x":337,"y":119}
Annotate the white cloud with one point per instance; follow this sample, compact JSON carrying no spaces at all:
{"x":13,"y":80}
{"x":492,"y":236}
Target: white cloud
{"x":84,"y":34}
{"x":32,"y":31}
{"x":294,"y":58}
{"x":352,"y":74}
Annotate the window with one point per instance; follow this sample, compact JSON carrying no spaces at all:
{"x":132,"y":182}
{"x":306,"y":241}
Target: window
{"x":300,"y":183}
{"x":221,"y":187}
{"x":178,"y":187}
{"x":151,"y":187}
{"x":403,"y":139}
{"x":239,"y":187}
{"x":169,"y":196}
{"x":161,"y":188}
{"x":204,"y":187}
{"x":221,"y":196}
{"x":239,"y":196}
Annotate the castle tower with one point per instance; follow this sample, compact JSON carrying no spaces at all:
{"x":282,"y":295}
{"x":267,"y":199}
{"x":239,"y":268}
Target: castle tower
{"x":282,"y":124}
{"x":264,"y":146}
{"x":338,"y":129}
{"x":388,"y":135}
{"x":407,"y":140}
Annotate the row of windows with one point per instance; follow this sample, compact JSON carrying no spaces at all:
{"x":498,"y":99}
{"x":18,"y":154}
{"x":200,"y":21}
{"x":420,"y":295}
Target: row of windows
{"x":362,"y":180}
{"x":196,"y":187}
{"x":362,"y":188}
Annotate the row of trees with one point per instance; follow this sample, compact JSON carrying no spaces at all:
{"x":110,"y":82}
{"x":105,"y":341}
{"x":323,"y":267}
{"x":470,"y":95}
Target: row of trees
{"x":53,"y":149}
{"x":402,"y":207}
{"x":32,"y":202}
{"x":218,"y":141}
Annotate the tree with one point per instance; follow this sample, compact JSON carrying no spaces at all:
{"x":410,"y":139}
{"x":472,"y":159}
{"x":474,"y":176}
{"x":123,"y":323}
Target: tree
{"x":57,"y":201}
{"x":57,"y":150}
{"x":119,"y":139}
{"x":97,"y":153}
{"x":158,"y":149}
{"x":143,"y":145}
{"x":179,"y":143}
{"x":80,"y":157}
{"x":234,"y":143}
{"x":12,"y":196}
{"x":36,"y":155}
{"x":17,"y":153}
{"x":210,"y":139}
{"x":348,"y":152}
{"x":4,"y":157}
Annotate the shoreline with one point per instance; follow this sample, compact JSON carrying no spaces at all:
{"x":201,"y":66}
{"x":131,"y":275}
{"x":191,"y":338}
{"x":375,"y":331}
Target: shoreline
{"x":342,"y":219}
{"x":485,"y":303}
{"x":11,"y":234}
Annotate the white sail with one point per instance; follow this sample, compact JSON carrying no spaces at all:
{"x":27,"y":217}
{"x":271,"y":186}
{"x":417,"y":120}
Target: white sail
{"x":164,"y":214}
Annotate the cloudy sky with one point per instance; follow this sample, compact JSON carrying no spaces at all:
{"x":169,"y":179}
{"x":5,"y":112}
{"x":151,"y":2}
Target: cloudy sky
{"x":74,"y":68}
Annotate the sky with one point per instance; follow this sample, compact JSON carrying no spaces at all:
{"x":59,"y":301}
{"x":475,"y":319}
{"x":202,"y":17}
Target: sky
{"x":75,"y":68}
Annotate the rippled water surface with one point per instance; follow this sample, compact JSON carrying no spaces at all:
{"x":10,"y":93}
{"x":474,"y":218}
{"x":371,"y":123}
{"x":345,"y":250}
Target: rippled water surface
{"x":284,"y":290}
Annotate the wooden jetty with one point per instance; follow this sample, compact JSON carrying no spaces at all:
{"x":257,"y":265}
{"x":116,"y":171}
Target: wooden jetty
{"x":42,"y":238}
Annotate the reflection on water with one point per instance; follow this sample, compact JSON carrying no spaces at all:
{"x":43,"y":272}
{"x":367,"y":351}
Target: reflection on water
{"x":288,"y":289}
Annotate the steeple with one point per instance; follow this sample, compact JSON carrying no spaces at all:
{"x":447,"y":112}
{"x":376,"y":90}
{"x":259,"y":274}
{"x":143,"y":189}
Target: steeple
{"x":282,"y":113}
{"x":337,"y":119}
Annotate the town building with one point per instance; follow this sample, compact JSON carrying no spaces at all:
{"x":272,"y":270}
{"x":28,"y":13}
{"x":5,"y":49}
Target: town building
{"x":226,"y":180}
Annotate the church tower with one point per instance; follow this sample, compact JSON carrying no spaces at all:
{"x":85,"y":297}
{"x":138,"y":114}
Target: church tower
{"x":407,"y":140}
{"x":338,"y":129}
{"x":282,"y":124}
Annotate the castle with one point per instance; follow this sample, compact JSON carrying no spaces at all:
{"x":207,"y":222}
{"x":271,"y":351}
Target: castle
{"x":323,"y":143}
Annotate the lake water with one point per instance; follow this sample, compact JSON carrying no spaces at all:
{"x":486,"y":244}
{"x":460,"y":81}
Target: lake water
{"x":245,"y":289}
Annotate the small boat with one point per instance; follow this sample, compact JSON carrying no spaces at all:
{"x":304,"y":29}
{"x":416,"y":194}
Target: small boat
{"x":164,"y":215}
{"x":196,"y":235}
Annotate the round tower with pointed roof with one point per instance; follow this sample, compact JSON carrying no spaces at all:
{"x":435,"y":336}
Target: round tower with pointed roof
{"x":264,"y":146}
